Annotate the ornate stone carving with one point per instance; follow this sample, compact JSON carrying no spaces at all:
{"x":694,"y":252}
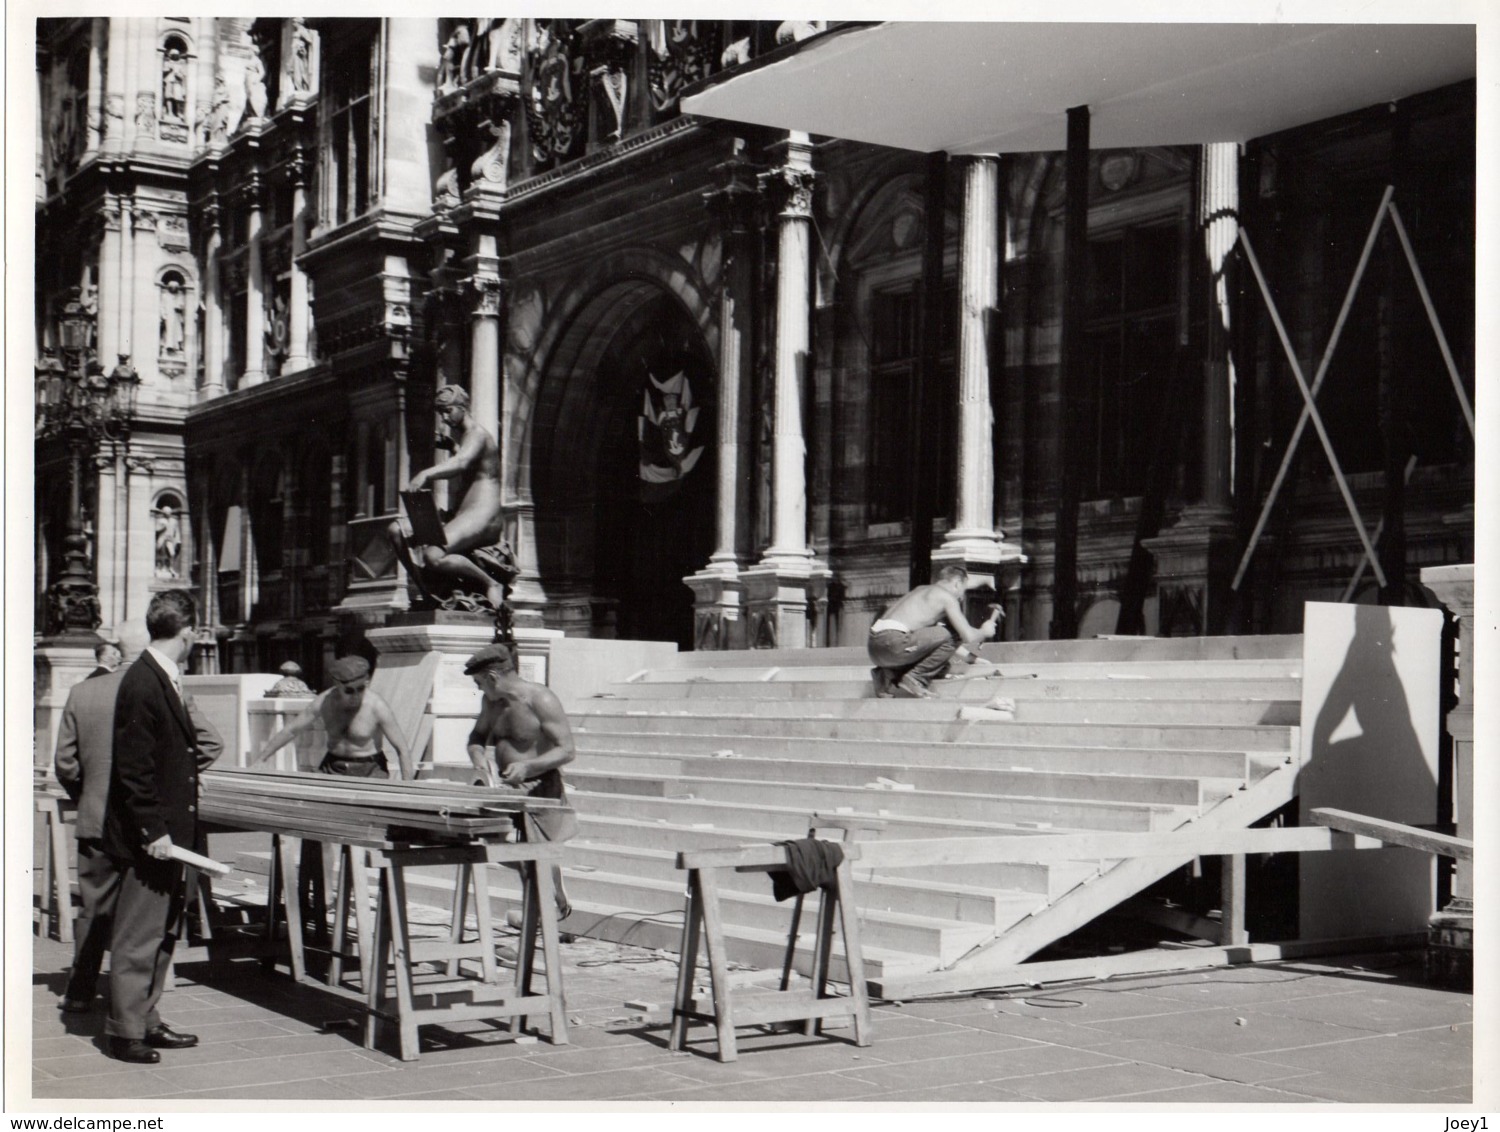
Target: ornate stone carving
{"x":215,"y":123}
{"x":145,"y":111}
{"x":114,"y":115}
{"x":493,"y":165}
{"x":255,"y":88}
{"x":790,"y":190}
{"x":485,"y":293}
{"x":172,"y":232}
{"x":299,"y":61}
{"x":556,"y":96}
{"x":682,"y":52}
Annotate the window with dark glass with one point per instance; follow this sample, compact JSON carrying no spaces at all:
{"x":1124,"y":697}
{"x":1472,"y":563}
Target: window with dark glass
{"x":350,"y":86}
{"x":1131,"y":345}
{"x":895,"y":345}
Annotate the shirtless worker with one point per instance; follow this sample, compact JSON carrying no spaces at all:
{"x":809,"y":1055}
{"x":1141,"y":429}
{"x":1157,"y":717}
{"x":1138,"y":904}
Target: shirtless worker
{"x":477,"y":525}
{"x":355,"y":720}
{"x":911,"y":645}
{"x":529,"y":731}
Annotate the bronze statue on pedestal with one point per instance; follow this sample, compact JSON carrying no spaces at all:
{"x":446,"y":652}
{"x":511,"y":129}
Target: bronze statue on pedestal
{"x":470,"y":546}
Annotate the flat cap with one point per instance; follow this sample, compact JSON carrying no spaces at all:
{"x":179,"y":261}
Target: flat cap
{"x":490,"y":654}
{"x":347,"y":669}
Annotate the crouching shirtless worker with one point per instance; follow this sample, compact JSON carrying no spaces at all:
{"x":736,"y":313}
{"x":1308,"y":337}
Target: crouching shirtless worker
{"x":355,"y":720}
{"x":911,"y":644}
{"x":529,"y":731}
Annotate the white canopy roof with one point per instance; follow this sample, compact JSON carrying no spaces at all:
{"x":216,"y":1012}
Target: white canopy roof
{"x":1006,"y":87}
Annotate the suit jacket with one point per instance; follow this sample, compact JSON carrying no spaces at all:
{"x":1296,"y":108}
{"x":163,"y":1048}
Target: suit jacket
{"x":153,"y":782}
{"x":85,"y":740}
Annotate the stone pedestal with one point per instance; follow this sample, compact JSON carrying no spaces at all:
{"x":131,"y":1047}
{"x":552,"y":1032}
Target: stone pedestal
{"x":454,"y":702}
{"x":58,"y":667}
{"x":1450,"y":939}
{"x":777,"y":598}
{"x":1195,"y":560}
{"x":719,"y":617}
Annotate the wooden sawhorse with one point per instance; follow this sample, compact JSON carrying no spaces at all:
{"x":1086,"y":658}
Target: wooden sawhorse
{"x":809,"y":1006}
{"x":392,"y":956}
{"x":56,"y":810}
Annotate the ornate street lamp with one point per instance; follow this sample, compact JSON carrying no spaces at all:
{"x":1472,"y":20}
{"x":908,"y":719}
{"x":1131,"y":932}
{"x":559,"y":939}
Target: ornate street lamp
{"x":80,"y":404}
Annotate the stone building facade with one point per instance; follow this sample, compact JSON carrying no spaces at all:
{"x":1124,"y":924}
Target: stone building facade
{"x":746,"y":384}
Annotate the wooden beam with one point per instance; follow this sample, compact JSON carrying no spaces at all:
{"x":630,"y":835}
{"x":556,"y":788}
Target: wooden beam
{"x":1394,"y":833}
{"x":1232,"y":900}
{"x":749,"y":857}
{"x":1107,"y":846}
{"x":1154,"y":962}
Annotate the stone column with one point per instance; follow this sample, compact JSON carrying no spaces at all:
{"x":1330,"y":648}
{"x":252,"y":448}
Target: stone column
{"x":112,"y":124}
{"x":1450,"y":945}
{"x":787,"y":578}
{"x":213,"y":310}
{"x":974,"y":542}
{"x":94,"y":116}
{"x":126,"y":295}
{"x":1195,"y":557}
{"x":255,"y":297}
{"x":299,"y":315}
{"x":484,"y":329}
{"x":718,"y":621}
{"x":109,"y":293}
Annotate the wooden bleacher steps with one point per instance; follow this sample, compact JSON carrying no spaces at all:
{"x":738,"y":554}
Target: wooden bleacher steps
{"x":721,"y":749}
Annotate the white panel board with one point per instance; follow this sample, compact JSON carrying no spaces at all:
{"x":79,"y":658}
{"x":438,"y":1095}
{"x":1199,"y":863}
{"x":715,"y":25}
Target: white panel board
{"x":1369,"y":745}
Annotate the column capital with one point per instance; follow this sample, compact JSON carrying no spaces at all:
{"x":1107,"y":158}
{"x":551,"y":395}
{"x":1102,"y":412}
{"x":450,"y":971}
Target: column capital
{"x":735,"y":197}
{"x":789,"y":190}
{"x":485,"y":292}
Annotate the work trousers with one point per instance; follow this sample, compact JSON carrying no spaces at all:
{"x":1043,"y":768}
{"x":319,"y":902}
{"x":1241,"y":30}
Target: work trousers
{"x":99,"y":880}
{"x":148,"y":915}
{"x":922,"y":654}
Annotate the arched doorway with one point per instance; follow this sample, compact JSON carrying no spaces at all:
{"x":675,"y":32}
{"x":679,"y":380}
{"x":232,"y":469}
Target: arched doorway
{"x":624,"y":473}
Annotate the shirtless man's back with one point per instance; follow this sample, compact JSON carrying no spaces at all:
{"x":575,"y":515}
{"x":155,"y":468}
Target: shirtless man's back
{"x":911,"y":645}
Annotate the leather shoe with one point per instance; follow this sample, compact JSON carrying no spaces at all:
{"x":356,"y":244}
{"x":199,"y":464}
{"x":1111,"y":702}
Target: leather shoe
{"x":161,"y":1037}
{"x":76,"y":1005}
{"x":132,"y":1050}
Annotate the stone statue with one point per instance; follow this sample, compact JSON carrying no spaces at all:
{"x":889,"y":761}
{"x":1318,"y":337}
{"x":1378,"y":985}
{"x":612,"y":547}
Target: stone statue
{"x":173,"y":316}
{"x":174,"y":86}
{"x":168,"y":543}
{"x":302,"y":55}
{"x":255,"y":86}
{"x":216,"y":123}
{"x":474,"y":550}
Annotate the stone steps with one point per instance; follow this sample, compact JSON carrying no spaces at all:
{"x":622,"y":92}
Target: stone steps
{"x":1261,"y":669}
{"x":854,"y":685}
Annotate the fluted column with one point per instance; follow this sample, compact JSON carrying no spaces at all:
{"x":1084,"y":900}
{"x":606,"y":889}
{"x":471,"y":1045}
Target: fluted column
{"x":109,"y":293}
{"x":255,"y":295}
{"x":787,"y":579}
{"x":484,"y":332}
{"x":213,"y":310}
{"x":94,"y":115}
{"x":718,"y":596}
{"x":1194,"y":557}
{"x":299,"y":315}
{"x":794,"y":181}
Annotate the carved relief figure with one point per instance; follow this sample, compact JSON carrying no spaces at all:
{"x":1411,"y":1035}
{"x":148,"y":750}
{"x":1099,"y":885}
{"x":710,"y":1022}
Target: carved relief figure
{"x":556,"y":100}
{"x":174,"y":86}
{"x":173,"y":316}
{"x":216,"y":121}
{"x":168,"y":543}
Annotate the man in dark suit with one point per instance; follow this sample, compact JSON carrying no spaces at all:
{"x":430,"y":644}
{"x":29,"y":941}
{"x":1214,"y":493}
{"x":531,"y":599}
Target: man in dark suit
{"x":152,"y":806}
{"x":85,"y":741}
{"x":107,"y":658}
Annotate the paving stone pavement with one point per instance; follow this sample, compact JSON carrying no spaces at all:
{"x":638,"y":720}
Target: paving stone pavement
{"x":1350,"y":1029}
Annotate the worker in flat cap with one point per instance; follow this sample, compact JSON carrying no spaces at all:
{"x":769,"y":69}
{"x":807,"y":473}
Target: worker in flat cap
{"x":355,"y":719}
{"x":529,"y":731}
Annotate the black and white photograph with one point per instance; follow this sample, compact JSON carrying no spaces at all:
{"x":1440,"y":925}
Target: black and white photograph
{"x":647,"y":565}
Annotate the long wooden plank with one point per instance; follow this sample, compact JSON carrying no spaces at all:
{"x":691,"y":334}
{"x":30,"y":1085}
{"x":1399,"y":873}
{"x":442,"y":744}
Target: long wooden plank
{"x":1394,"y":833}
{"x":1107,"y":846}
{"x":1153,"y":962}
{"x":771,"y":856}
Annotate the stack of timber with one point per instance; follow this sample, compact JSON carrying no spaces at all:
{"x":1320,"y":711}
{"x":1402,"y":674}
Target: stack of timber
{"x":360,"y":811}
{"x":1138,"y":735}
